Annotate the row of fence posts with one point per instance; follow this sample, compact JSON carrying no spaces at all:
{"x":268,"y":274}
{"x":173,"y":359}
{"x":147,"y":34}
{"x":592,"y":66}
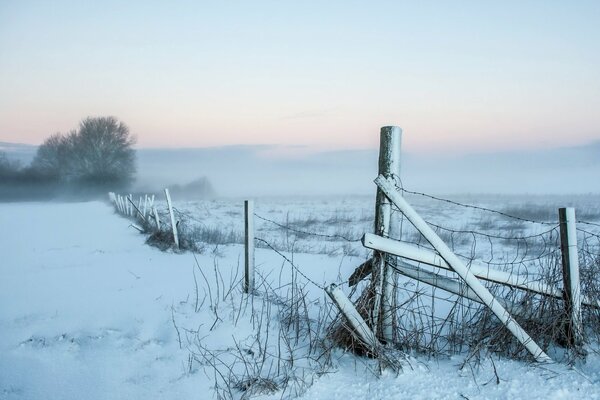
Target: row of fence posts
{"x":383,"y":315}
{"x":383,"y":274}
{"x":126,"y":206}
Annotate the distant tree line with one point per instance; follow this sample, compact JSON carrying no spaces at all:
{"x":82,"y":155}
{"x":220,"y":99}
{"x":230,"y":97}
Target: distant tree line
{"x":96,"y":157}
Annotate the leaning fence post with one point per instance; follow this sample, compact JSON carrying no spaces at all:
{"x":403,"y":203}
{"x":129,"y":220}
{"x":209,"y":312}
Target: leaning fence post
{"x":384,"y":276}
{"x":173,"y":223}
{"x":358,"y":324}
{"x":570,"y":264}
{"x":156,"y":218}
{"x":249,"y":246}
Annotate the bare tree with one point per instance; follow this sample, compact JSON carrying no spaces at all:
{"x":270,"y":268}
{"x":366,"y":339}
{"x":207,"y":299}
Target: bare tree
{"x":99,"y":153}
{"x":102,"y":152}
{"x":52,"y":157}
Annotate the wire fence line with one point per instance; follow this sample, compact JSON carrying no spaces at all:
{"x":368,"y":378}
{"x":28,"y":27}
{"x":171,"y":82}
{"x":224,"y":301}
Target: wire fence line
{"x":437,"y":321}
{"x":304,"y":232}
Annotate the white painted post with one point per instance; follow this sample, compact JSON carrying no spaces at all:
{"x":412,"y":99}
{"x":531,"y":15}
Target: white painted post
{"x":384,"y":277}
{"x":358,"y":324}
{"x":172,"y":215}
{"x":388,"y":186}
{"x":249,"y":246}
{"x":144,"y":212}
{"x":130,"y":205}
{"x":570,"y":264}
{"x":156,"y":218}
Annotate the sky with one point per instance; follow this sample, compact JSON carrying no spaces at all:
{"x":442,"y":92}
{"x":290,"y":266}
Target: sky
{"x":458,"y":77}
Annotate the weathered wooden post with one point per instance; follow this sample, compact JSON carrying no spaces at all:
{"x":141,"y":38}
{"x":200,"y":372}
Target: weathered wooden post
{"x":249,"y":246}
{"x":383,"y":275}
{"x":570,"y":264}
{"x":172,"y":215}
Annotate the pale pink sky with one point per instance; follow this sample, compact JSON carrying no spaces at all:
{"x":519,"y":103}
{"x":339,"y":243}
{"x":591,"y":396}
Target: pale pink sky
{"x":456,"y":78}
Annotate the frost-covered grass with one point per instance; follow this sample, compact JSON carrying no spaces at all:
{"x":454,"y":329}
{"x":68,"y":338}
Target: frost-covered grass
{"x":87,"y":310}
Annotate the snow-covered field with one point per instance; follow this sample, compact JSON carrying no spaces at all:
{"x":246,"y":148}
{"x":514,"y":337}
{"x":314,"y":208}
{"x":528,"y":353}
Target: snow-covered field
{"x":89,"y":311}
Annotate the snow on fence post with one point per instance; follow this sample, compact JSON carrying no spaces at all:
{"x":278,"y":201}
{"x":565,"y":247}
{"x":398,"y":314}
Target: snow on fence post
{"x":384,"y":276}
{"x":358,"y":324}
{"x":388,"y":186}
{"x":482,"y":271}
{"x":156,"y":218}
{"x":173,"y":223}
{"x":249,"y":246}
{"x":570,"y":265}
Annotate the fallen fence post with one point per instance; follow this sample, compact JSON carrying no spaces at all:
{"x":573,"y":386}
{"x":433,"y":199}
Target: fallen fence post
{"x":570,"y":267}
{"x":388,"y":186}
{"x":358,"y":324}
{"x":249,"y":246}
{"x":450,"y":285}
{"x":172,"y":215}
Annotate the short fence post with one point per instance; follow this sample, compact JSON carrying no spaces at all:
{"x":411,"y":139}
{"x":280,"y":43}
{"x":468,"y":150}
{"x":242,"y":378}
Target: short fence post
{"x":173,"y":223}
{"x":384,"y":276}
{"x":156,"y":218}
{"x":249,"y":246}
{"x":139,"y":209}
{"x":144,"y":211}
{"x":570,"y":264}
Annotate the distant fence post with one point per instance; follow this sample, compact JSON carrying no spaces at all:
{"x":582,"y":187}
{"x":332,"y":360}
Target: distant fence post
{"x":249,"y":246}
{"x":384,"y":276}
{"x":130,"y":206}
{"x":172,"y":215}
{"x":156,"y":218}
{"x":144,"y":211}
{"x":570,"y":264}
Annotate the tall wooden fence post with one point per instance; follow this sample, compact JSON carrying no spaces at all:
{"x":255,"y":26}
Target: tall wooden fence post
{"x":570,"y":264}
{"x":249,"y":245}
{"x":384,"y":277}
{"x":172,"y":215}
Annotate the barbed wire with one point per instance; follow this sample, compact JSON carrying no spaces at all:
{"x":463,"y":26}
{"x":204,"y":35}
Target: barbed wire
{"x":307,"y":232}
{"x":492,"y":236}
{"x":588,"y":223}
{"x":322,"y":287}
{"x":477,"y":207}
